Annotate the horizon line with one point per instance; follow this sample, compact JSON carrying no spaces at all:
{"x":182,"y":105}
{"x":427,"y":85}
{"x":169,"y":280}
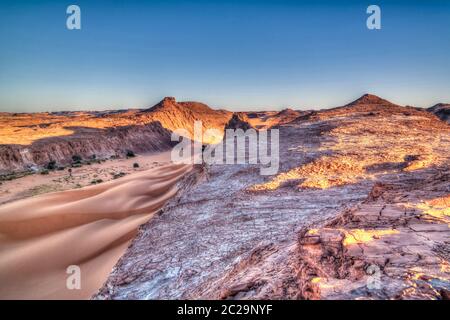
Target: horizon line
{"x":227,"y":108}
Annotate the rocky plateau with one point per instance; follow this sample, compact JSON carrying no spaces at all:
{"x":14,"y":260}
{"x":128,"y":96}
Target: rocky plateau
{"x":358,"y":210}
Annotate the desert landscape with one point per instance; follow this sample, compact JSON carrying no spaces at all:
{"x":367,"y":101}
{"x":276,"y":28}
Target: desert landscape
{"x":359,"y":209}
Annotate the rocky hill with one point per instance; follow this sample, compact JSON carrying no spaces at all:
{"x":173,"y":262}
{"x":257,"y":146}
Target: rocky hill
{"x":358,"y":210}
{"x":442,"y":110}
{"x":84,"y":143}
{"x":174,"y":115}
{"x":33,"y":140}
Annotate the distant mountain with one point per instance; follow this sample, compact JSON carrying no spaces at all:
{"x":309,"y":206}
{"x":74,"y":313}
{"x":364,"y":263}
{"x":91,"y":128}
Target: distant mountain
{"x":442,"y":110}
{"x":372,"y":169}
{"x":173,"y":115}
{"x":170,"y":103}
{"x":370,"y":99}
{"x":370,"y":105}
{"x":35,"y":139}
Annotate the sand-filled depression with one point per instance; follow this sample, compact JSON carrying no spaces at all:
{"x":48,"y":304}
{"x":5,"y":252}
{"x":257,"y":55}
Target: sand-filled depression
{"x":91,"y":227}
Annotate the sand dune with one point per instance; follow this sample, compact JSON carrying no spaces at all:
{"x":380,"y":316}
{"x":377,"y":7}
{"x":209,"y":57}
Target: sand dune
{"x":90,"y":227}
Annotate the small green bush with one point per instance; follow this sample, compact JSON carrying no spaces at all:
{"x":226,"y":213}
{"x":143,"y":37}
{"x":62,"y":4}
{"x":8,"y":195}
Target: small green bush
{"x":95,"y":181}
{"x":76,"y":158}
{"x":118,"y":175}
{"x":51,"y":165}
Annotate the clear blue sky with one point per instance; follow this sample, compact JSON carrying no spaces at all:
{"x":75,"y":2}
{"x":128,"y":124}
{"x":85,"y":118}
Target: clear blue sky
{"x":233,"y":54}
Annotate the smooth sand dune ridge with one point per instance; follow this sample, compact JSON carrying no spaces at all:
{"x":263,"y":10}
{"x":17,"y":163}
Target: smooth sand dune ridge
{"x":90,"y":227}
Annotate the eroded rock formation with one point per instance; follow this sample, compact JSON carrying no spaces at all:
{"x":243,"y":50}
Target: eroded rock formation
{"x":442,"y":110}
{"x":378,"y":171}
{"x":32,"y":140}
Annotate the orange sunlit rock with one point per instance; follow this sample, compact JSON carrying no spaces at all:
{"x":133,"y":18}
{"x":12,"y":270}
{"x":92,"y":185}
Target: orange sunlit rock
{"x":356,"y":236}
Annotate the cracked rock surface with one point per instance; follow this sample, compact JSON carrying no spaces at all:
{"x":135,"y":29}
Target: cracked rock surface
{"x":358,"y":210}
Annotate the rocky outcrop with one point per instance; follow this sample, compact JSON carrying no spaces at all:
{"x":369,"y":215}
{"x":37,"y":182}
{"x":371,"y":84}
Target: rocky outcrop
{"x":174,"y":115}
{"x":239,"y":121}
{"x":370,"y":99}
{"x":442,"y":110}
{"x":269,"y":119}
{"x":393,"y":245}
{"x":380,"y":178}
{"x":86,"y":143}
{"x":358,"y":209}
{"x":370,"y":105}
{"x":32,"y":140}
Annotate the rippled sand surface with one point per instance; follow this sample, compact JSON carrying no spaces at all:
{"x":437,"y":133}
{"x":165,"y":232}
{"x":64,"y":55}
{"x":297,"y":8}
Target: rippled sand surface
{"x":89,"y":227}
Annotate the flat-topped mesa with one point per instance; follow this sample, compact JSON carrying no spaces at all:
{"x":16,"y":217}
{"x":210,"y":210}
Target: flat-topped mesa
{"x":170,"y":104}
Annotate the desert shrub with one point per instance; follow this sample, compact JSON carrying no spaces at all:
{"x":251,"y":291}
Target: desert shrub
{"x":76,"y":158}
{"x":16,"y":175}
{"x":45,"y":171}
{"x":51,"y":165}
{"x":95,"y":181}
{"x":135,"y":165}
{"x":118,"y":175}
{"x":130,"y":154}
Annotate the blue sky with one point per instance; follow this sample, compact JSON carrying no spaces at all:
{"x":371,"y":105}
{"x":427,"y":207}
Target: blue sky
{"x":238,"y":55}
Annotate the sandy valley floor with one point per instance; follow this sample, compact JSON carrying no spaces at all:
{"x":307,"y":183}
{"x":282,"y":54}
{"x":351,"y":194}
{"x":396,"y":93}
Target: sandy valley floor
{"x":89,"y":226}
